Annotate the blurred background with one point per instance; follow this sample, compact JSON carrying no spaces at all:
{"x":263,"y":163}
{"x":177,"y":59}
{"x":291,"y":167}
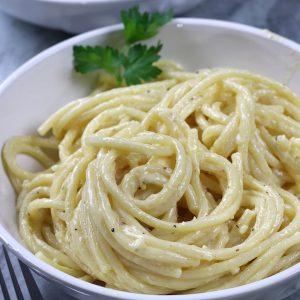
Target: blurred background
{"x":20,"y":41}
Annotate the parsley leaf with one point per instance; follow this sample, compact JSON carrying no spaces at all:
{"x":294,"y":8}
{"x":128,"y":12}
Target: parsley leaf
{"x":132,"y":64}
{"x":138,"y":64}
{"x":139,"y":27}
{"x":87,"y":59}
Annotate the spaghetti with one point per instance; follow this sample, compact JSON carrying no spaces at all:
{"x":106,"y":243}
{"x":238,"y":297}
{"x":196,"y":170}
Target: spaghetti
{"x":184,"y":185}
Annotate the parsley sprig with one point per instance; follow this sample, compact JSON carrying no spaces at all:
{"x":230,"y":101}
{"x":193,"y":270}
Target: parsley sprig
{"x":132,"y":64}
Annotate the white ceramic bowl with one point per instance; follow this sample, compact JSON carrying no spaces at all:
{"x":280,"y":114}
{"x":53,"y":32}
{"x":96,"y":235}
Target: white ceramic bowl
{"x":47,"y":82}
{"x":78,"y":16}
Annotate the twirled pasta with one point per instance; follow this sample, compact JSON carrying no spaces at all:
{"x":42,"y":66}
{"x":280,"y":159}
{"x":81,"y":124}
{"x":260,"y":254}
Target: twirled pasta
{"x":184,"y":185}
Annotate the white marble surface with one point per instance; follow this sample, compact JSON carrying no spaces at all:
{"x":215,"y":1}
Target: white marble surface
{"x":20,"y":41}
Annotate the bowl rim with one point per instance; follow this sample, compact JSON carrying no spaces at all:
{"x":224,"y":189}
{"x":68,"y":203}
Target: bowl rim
{"x":91,"y":289}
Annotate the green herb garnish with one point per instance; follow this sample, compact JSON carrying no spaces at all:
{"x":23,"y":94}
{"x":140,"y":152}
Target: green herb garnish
{"x":88,"y":59}
{"x":139,"y":27}
{"x":132,"y":64}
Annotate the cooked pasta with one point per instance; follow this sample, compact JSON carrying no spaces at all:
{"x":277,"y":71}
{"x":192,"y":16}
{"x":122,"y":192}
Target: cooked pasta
{"x":183,"y":185}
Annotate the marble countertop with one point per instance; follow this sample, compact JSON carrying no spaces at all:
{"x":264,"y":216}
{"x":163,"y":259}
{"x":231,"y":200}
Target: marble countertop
{"x":21,"y":41}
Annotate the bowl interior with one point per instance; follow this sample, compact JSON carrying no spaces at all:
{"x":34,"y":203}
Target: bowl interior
{"x":47,"y":82}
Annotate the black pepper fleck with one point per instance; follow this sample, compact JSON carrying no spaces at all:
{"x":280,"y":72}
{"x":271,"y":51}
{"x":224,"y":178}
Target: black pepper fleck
{"x":237,"y":250}
{"x":112,"y":230}
{"x":237,"y":225}
{"x":174,"y":226}
{"x":76,"y":229}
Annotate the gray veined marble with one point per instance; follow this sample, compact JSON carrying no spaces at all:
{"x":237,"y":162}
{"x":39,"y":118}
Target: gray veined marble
{"x":20,"y":41}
